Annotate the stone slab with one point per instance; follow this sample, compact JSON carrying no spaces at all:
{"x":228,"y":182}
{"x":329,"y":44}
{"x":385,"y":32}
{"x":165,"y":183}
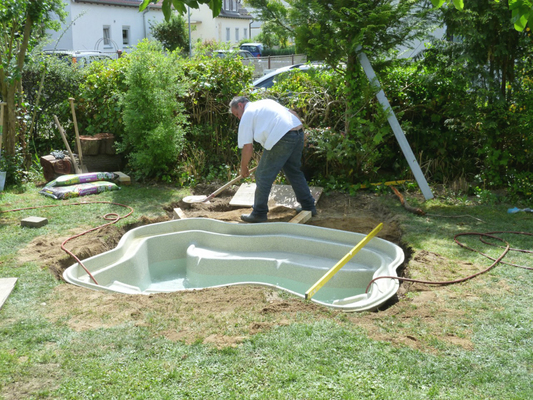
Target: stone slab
{"x":280,"y":195}
{"x":6,"y":286}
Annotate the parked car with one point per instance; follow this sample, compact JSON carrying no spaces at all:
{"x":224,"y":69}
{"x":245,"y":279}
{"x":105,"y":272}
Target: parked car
{"x":268,"y":80}
{"x":80,"y":57}
{"x":255,"y":48}
{"x":232,"y":53}
{"x":246,"y":56}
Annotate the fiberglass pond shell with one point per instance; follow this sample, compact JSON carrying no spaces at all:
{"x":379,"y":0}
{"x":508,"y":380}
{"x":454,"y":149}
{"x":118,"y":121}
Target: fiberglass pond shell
{"x":198,"y":253}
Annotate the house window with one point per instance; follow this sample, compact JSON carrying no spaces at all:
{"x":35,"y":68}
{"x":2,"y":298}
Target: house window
{"x":107,"y":36}
{"x":245,"y":33}
{"x":126,"y":35}
{"x":236,"y":34}
{"x":227,"y":35}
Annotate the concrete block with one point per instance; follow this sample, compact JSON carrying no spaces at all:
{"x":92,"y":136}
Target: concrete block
{"x":34,"y":222}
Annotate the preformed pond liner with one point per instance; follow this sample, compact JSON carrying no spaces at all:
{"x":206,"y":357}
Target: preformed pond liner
{"x":198,"y":253}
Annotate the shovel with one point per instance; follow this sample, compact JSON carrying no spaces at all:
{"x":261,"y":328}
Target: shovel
{"x":205,"y":199}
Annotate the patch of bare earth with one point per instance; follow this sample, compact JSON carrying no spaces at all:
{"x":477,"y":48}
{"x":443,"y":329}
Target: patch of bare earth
{"x":226,"y":316}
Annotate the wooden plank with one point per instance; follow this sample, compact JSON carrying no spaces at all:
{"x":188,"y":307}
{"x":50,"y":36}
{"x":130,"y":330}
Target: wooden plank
{"x":302,"y":217}
{"x":6,"y":286}
{"x":280,"y":195}
{"x":179,"y":214}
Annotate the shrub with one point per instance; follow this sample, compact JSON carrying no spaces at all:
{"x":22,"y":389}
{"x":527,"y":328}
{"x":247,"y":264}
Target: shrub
{"x":212,"y":137}
{"x":458,"y":128}
{"x":279,"y":52}
{"x":333,"y":152}
{"x":435,"y":109}
{"x":98,"y":107}
{"x":60,"y":81}
{"x":153,"y":119}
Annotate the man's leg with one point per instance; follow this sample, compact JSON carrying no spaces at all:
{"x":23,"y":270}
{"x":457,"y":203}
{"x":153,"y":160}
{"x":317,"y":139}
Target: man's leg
{"x":293,"y":172}
{"x":268,"y":169}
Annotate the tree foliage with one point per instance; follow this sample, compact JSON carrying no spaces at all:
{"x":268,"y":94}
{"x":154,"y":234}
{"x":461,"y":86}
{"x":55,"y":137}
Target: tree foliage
{"x":152,"y":138}
{"x":181,"y":6}
{"x":522,"y":10}
{"x":487,"y":43}
{"x":173,"y":34}
{"x":18,"y":18}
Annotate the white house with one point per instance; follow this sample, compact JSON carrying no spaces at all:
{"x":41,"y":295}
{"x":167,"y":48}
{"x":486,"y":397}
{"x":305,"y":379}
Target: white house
{"x":232,"y":25}
{"x":117,"y":25}
{"x":104,"y":25}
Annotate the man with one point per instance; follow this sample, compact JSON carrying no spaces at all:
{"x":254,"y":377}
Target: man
{"x":280,"y":132}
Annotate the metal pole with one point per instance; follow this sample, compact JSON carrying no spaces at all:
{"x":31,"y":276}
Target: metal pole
{"x":395,"y":125}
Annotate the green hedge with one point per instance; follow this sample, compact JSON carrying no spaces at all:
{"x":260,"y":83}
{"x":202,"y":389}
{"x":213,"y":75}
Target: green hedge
{"x":170,"y":115}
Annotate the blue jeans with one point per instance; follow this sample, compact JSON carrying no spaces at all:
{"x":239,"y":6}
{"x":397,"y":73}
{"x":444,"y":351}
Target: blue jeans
{"x":286,"y":156}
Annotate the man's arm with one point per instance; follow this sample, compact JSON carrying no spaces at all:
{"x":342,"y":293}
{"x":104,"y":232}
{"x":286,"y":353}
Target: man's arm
{"x":295,"y":114}
{"x":246,"y":156}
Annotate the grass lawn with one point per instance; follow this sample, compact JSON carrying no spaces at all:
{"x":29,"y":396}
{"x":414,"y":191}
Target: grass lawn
{"x":314,"y":354}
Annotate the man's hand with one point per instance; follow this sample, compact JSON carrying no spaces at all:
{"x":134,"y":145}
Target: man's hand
{"x":247,"y":153}
{"x":245,"y":172}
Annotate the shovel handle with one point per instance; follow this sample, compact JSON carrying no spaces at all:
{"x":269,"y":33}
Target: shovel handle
{"x":64,"y":137}
{"x":221,"y":189}
{"x":78,"y":143}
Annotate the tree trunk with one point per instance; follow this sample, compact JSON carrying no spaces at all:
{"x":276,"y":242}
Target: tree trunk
{"x":9,"y":90}
{"x":352,"y":85}
{"x":10,"y":121}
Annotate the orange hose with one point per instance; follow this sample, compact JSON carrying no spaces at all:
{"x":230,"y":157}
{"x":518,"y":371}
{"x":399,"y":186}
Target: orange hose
{"x":405,"y":205}
{"x":507,"y":248}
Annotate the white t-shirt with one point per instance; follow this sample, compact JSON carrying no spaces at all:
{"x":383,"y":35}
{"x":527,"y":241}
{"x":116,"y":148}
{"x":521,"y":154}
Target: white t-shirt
{"x":266,"y":122}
